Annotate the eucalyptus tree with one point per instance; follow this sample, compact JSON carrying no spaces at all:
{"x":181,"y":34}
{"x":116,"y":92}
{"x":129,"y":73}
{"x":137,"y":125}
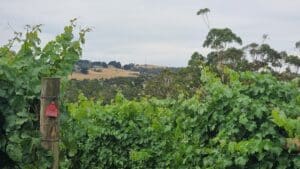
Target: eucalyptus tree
{"x":235,"y":58}
{"x":252,"y":48}
{"x":283,"y":56}
{"x":204,"y":13}
{"x":264,"y":38}
{"x":219,"y":39}
{"x":296,"y":63}
{"x":270,"y":56}
{"x":263,"y":55}
{"x":297,"y":45}
{"x":297,"y":60}
{"x":293,"y":61}
{"x":196,"y":60}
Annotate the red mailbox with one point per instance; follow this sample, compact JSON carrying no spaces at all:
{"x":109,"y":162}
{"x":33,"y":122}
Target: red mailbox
{"x":52,"y":110}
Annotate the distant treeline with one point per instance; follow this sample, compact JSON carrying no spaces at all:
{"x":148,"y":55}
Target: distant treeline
{"x":84,"y":65}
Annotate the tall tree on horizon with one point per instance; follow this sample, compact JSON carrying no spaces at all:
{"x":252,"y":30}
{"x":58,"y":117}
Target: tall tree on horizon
{"x":297,"y":45}
{"x":252,"y":48}
{"x":297,"y":59}
{"x":219,"y":39}
{"x":264,"y":38}
{"x":204,"y":13}
{"x":294,"y":61}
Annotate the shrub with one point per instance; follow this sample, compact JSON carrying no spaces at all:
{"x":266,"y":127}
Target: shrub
{"x":224,"y":125}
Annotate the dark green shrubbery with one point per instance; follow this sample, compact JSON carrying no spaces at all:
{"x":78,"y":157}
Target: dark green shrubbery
{"x":224,"y":125}
{"x":106,"y":89}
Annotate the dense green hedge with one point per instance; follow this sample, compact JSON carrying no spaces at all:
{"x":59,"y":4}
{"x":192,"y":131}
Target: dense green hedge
{"x":224,"y":125}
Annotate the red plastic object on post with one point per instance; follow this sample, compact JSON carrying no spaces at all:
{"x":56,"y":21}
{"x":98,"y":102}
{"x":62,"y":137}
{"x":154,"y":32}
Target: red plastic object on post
{"x":51,"y":110}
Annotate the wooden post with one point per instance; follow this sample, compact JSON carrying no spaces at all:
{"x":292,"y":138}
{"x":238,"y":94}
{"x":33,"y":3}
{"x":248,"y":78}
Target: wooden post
{"x":49,"y":126}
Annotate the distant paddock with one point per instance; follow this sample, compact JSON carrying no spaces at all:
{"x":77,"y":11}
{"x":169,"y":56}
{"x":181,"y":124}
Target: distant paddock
{"x":104,"y":73}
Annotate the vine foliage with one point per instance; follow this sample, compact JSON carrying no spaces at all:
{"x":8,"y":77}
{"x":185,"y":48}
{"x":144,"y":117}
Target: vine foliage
{"x":224,"y":125}
{"x":20,"y":75}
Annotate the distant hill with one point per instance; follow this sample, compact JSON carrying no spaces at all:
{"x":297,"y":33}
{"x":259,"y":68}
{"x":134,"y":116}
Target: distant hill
{"x":150,"y":66}
{"x":103,"y":73}
{"x":85,"y":69}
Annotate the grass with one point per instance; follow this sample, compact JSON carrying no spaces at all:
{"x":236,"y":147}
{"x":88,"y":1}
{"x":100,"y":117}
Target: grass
{"x":105,"y":73}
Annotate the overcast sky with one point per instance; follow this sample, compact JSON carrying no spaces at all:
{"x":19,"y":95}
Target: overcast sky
{"x":162,"y":32}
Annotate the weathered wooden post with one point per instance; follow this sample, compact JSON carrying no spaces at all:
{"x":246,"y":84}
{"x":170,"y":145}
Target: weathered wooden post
{"x":49,"y":117}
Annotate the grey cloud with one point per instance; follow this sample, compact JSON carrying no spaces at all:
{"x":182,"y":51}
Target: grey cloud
{"x":165,"y":32}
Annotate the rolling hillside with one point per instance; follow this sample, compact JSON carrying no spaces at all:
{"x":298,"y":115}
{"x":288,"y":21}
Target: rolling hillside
{"x":104,"y":73}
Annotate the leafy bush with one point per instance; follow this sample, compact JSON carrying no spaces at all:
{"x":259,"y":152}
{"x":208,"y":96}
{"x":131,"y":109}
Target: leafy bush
{"x":99,"y":64}
{"x":115,"y":64}
{"x":84,"y":70}
{"x":224,"y":125}
{"x":128,"y":66}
